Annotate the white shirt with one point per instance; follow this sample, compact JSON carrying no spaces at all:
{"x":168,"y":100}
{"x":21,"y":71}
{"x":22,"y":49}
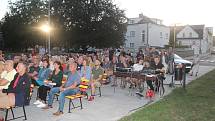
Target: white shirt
{"x":9,"y":76}
{"x":137,"y":67}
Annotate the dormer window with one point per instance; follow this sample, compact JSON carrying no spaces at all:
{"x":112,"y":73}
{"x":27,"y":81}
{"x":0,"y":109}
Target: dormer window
{"x":190,"y":34}
{"x":183,"y":35}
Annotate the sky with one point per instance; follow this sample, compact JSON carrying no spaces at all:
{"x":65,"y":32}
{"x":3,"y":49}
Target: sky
{"x":179,"y":12}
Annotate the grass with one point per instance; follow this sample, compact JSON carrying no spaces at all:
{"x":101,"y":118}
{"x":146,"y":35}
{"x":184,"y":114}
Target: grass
{"x":197,"y":103}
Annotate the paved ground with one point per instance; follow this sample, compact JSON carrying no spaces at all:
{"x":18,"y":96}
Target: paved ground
{"x":110,"y":107}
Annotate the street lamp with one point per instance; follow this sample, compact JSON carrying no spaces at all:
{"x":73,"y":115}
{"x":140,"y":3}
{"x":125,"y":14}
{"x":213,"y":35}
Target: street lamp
{"x":46,"y":29}
{"x":174,"y":34}
{"x":49,"y":36}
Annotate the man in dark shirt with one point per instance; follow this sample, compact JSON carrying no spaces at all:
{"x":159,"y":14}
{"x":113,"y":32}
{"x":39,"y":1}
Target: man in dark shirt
{"x":159,"y":68}
{"x":157,"y":65}
{"x":34,"y":70}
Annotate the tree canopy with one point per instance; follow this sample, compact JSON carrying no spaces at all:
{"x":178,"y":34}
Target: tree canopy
{"x":75,"y":23}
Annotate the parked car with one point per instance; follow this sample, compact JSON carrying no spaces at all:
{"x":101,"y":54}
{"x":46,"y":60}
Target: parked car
{"x":180,"y":60}
{"x":213,"y":52}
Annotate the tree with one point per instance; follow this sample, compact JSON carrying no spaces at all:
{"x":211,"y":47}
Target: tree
{"x":19,"y":24}
{"x":75,"y":23}
{"x":97,"y":23}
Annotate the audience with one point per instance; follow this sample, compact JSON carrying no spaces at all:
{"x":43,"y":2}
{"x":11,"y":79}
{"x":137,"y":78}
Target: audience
{"x":88,"y":66}
{"x":70,"y":87}
{"x":54,"y":81}
{"x":17,"y":93}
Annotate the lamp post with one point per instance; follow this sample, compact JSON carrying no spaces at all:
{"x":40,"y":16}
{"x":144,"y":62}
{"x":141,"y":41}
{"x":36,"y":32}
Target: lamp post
{"x":49,"y":36}
{"x":45,"y":28}
{"x":174,"y":36}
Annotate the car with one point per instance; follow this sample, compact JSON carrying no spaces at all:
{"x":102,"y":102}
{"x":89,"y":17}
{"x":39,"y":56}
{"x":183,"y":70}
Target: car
{"x":213,"y":52}
{"x":180,"y":60}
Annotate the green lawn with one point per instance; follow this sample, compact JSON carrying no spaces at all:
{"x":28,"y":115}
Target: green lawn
{"x":196,"y":104}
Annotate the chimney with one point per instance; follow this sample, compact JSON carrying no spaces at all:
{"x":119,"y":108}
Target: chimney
{"x":141,"y":15}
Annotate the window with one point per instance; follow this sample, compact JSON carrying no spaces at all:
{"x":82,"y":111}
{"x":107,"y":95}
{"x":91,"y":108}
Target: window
{"x":180,"y":43}
{"x":190,"y":34}
{"x":143,"y":36}
{"x":132,"y":21}
{"x":167,"y":35}
{"x":131,"y":45}
{"x":194,"y":43}
{"x":161,"y":35}
{"x":132,"y":33}
{"x":183,"y":35}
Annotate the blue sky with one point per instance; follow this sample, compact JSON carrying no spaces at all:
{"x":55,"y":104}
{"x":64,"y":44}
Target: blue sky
{"x":181,"y":12}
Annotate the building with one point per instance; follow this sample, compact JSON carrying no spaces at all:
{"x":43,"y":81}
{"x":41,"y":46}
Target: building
{"x":197,"y":37}
{"x":213,"y":40}
{"x":144,"y":31}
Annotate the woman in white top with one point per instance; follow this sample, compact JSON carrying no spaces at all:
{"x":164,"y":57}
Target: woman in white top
{"x":137,"y":67}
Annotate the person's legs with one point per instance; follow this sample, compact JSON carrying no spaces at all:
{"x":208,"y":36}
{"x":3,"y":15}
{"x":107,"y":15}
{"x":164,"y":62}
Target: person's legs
{"x":149,"y":83}
{"x":94,"y":85}
{"x":51,"y":94}
{"x":43,"y":92}
{"x":93,"y":88}
{"x":62,"y":98}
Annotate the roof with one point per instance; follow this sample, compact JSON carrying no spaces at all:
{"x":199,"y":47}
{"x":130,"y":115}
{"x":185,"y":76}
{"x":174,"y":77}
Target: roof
{"x":199,"y":29}
{"x":142,"y":19}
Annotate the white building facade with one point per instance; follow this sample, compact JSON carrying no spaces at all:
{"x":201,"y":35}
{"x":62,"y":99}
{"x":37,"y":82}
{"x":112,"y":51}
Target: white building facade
{"x":197,"y":37}
{"x":144,"y":31}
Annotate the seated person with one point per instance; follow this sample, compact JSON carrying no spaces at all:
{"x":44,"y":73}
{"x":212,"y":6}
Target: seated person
{"x":1,"y":56}
{"x":34,"y":69}
{"x":1,"y":68}
{"x":70,"y":87}
{"x":43,"y":74}
{"x":17,"y":93}
{"x":137,"y":67}
{"x":80,"y":62}
{"x":16,"y":60}
{"x":108,"y":69}
{"x":8,"y":75}
{"x":56,"y":77}
{"x":123,"y":64}
{"x":85,"y":71}
{"x":97,"y":73}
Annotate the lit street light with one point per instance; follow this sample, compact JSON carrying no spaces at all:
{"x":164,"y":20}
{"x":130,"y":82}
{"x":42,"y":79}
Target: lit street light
{"x":45,"y":28}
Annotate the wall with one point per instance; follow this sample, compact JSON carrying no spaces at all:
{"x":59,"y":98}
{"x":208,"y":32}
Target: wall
{"x":155,"y":36}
